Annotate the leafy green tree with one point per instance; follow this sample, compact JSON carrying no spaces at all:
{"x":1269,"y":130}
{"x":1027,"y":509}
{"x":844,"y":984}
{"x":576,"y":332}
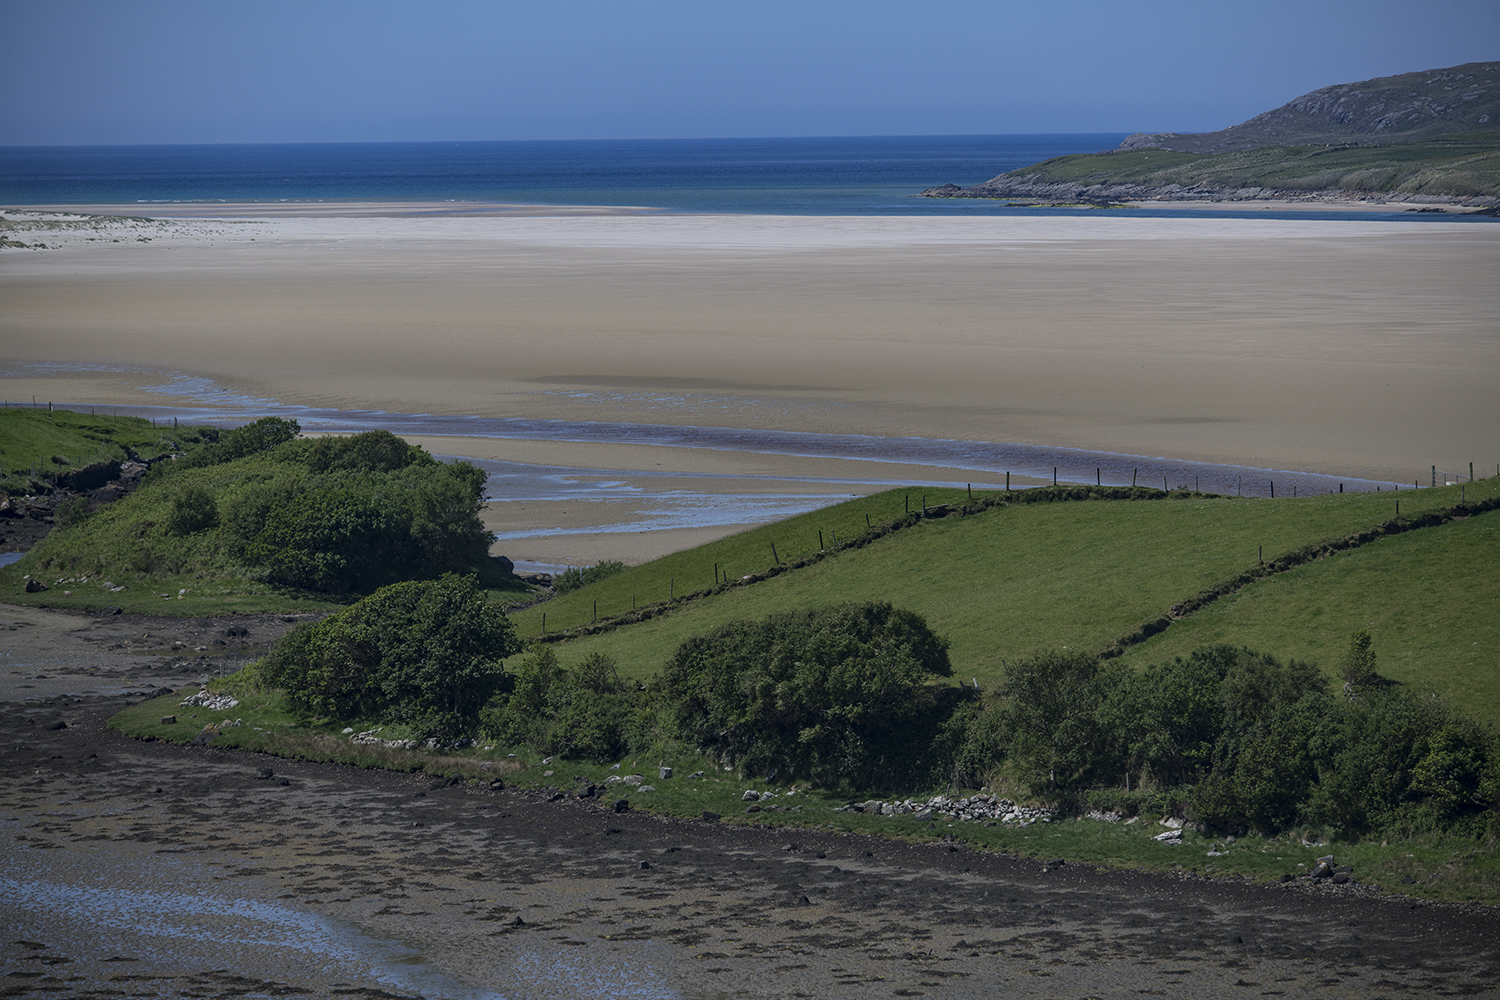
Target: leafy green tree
{"x":1052,"y":710}
{"x":822,"y":694}
{"x":427,"y":652}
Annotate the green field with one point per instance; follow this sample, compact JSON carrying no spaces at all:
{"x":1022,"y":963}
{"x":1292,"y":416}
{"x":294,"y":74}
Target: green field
{"x":32,"y":440}
{"x":1462,"y":165}
{"x":1012,"y":580}
{"x":1430,"y":599}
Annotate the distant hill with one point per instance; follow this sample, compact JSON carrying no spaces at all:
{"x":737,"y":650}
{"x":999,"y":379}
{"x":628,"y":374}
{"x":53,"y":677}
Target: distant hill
{"x":1385,"y":110}
{"x":1419,"y":137}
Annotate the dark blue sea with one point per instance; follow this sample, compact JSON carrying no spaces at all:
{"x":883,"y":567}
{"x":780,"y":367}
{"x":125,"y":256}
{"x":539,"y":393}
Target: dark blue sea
{"x":796,"y":176}
{"x":871,"y":175}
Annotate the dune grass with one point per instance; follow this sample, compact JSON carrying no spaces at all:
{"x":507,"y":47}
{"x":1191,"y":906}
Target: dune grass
{"x":1007,"y":582}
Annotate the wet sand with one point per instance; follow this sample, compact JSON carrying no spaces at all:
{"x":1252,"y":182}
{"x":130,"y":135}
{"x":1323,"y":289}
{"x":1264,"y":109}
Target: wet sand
{"x":1359,"y":347}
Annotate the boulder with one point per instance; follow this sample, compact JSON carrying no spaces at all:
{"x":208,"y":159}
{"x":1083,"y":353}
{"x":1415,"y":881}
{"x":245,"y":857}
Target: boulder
{"x":663,"y":773}
{"x":751,"y":795}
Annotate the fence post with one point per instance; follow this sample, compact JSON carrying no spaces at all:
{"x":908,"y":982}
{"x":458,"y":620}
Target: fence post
{"x":1132,"y":477}
{"x":1273,"y":489}
{"x":774,"y":558}
{"x":1054,"y":475}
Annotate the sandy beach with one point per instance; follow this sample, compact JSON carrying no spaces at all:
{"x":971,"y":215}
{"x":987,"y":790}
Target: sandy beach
{"x":1362,"y":348}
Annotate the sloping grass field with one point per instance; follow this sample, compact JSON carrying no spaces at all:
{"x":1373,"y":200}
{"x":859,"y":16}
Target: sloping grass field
{"x":1012,"y":580}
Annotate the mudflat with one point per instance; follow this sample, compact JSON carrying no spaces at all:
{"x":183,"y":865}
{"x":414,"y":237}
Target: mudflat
{"x":1362,"y":347}
{"x":217,"y":873}
{"x":208,"y":872}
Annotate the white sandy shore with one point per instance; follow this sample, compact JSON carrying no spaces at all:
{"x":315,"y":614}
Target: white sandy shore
{"x":1360,"y":347}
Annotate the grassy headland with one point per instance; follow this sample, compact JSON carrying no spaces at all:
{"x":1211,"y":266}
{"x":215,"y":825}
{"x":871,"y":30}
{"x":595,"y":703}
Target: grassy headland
{"x":1452,"y":166}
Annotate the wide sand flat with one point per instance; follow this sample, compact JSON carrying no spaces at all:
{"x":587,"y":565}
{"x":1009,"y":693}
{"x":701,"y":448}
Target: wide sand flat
{"x":1357,"y":347}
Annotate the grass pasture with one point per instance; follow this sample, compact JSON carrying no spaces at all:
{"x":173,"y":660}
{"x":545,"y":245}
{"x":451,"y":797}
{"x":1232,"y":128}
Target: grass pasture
{"x":1007,"y":582}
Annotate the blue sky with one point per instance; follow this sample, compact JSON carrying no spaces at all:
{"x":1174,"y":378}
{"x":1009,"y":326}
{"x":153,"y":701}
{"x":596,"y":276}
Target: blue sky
{"x":152,"y":71}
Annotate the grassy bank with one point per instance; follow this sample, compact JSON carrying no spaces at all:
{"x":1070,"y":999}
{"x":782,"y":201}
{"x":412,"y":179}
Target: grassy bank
{"x":1009,"y":581}
{"x":1444,"y":868}
{"x":39,"y":444}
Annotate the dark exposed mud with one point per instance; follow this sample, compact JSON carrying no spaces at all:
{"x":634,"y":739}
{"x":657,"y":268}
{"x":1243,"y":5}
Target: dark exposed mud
{"x":136,"y":868}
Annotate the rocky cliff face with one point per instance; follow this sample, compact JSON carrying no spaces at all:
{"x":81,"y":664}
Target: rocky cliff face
{"x":1387,"y":109}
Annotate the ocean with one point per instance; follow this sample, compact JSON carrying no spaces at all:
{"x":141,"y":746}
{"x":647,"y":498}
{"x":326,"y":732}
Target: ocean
{"x":860,"y":175}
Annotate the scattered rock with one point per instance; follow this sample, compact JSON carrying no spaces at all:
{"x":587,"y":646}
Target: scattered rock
{"x":622,"y":805}
{"x":496,"y":784}
{"x":755,"y":808}
{"x":696,"y":775}
{"x":750,"y":795}
{"x":645,"y":866}
{"x":265,"y":773}
{"x":34,"y":586}
{"x":59,"y":724}
{"x":711,"y":817}
{"x":169,"y":720}
{"x":664,"y":773}
{"x":1171,"y":838}
{"x":633,"y":779}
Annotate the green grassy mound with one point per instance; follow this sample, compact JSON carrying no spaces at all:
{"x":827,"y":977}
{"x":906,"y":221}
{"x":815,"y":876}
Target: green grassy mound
{"x":257,"y":522}
{"x":1011,"y":580}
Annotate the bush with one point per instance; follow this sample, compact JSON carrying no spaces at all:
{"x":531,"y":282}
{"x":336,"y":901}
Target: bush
{"x":574,"y":577}
{"x":355,"y":531}
{"x":253,"y":438}
{"x":1359,"y":661}
{"x":372,"y":451}
{"x":422,"y":652}
{"x":193,"y":509}
{"x":835,"y":695}
{"x":1051,"y":717}
{"x":583,"y":713}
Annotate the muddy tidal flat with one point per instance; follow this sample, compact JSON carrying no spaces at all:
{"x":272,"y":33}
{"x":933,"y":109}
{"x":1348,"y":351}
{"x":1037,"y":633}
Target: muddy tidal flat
{"x":146,"y":869}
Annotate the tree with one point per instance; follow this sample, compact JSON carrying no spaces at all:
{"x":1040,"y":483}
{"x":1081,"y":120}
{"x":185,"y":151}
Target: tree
{"x":1359,"y":661}
{"x":422,"y":651}
{"x":828,"y":694}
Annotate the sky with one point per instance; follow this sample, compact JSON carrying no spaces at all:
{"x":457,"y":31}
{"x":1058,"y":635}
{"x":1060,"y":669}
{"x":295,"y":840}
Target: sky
{"x":200,"y":71}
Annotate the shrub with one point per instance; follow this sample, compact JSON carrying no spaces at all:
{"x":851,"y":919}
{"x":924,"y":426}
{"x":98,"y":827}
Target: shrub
{"x":372,"y":451}
{"x":422,"y":652}
{"x":1051,"y":714}
{"x":574,"y":577}
{"x":584,"y":713}
{"x":833,"y":694}
{"x":257,"y":436}
{"x":1359,"y":661}
{"x":193,"y":509}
